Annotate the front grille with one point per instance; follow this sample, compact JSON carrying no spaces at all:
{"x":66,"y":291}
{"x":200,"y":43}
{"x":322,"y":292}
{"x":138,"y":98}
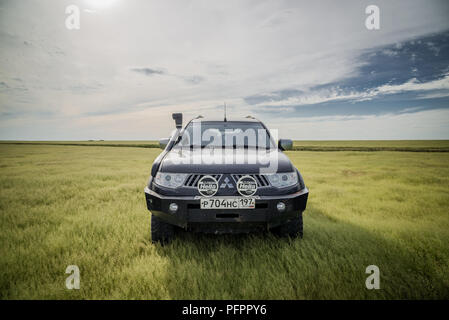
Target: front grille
{"x":192,"y":180}
{"x":261,"y":179}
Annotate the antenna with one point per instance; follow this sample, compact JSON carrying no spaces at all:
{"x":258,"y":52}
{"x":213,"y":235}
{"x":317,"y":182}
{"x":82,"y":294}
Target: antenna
{"x":225,"y":112}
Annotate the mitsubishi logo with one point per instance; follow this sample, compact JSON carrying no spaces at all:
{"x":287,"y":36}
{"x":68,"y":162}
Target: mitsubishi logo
{"x":226,"y":184}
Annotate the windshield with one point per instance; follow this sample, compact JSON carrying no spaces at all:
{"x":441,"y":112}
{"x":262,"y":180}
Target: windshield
{"x":231,"y":134}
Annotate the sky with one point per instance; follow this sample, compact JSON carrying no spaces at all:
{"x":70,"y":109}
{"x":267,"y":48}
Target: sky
{"x":310,"y":69}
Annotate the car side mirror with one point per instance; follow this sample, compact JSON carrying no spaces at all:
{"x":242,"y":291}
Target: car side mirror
{"x":285,"y":144}
{"x":163,"y":142}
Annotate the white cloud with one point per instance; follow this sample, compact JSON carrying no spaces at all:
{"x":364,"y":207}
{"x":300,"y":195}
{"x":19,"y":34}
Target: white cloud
{"x":435,"y":95}
{"x":335,"y":94}
{"x":430,"y":124}
{"x":414,"y":85}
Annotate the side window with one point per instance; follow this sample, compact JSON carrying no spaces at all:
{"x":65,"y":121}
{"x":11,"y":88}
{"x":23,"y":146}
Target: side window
{"x":184,"y":138}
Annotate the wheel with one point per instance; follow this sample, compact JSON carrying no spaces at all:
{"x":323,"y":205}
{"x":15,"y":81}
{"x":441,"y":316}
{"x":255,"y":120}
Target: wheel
{"x":292,"y":228}
{"x":161,"y":231}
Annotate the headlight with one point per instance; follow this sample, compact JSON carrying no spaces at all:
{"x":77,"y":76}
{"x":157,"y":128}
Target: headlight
{"x":282,"y":180}
{"x":170,"y":180}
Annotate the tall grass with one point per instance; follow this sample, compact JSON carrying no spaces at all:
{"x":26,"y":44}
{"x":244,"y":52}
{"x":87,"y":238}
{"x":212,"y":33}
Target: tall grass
{"x":64,"y":205}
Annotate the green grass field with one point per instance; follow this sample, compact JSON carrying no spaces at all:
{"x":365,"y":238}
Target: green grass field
{"x":64,"y":205}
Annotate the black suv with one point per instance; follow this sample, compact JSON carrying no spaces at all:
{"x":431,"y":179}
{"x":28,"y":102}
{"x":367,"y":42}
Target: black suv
{"x":223,"y":176}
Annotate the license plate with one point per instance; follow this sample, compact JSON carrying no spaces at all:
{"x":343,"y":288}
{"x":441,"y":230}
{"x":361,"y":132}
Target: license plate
{"x":228,"y":203}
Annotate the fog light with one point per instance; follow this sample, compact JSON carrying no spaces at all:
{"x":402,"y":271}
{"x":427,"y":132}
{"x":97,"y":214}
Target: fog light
{"x":280,"y":206}
{"x":173,"y":207}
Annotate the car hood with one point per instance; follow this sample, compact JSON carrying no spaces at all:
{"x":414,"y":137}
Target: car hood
{"x":183,"y":160}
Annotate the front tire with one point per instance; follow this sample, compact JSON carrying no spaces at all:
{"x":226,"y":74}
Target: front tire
{"x":161,"y":231}
{"x":293,"y":228}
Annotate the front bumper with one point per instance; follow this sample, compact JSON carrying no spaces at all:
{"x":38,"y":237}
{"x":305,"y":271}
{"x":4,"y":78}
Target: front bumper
{"x":190,"y":216}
